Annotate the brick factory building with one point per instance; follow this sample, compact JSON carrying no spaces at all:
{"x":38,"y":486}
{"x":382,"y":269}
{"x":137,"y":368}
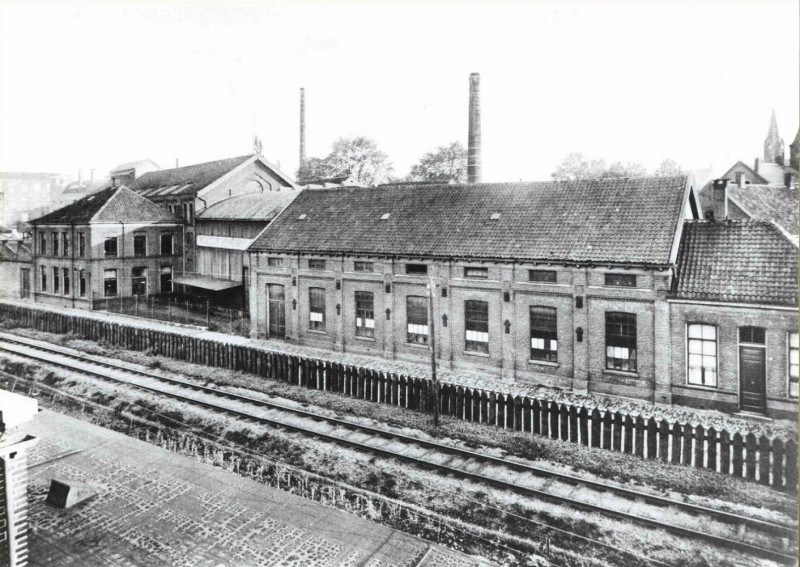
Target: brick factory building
{"x":564,"y":284}
{"x":113,"y":243}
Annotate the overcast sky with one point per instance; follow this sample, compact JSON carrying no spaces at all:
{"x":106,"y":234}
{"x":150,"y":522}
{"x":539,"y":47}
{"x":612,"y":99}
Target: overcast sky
{"x":92,"y":85}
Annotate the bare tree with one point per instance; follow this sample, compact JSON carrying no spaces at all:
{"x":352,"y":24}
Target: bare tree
{"x":668,"y":168}
{"x":575,"y":167}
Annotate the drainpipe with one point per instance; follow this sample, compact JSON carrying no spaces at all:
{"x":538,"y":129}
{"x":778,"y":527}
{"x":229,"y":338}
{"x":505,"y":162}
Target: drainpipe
{"x":72,"y":261}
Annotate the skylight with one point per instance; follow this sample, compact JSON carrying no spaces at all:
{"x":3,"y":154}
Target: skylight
{"x":384,"y":216}
{"x":302,"y":217}
{"x":495,"y":216}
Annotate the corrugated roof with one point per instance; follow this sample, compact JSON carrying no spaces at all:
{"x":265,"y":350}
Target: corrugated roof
{"x":740,"y":261}
{"x":184,"y":180}
{"x":252,"y":206}
{"x":767,"y":202}
{"x":114,"y":204}
{"x":610,"y":220}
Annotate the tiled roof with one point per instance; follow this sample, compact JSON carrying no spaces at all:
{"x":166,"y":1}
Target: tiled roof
{"x":114,"y":204}
{"x":739,"y":165}
{"x":740,"y":261}
{"x":184,"y":180}
{"x":252,"y":206}
{"x":604,"y":220}
{"x":767,"y":202}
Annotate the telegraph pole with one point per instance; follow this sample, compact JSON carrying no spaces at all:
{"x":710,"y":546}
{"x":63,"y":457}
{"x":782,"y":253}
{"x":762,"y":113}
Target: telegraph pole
{"x":434,"y":381}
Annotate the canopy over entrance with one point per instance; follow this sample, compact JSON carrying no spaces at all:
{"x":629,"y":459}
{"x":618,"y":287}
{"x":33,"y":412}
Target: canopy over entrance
{"x":205,"y":282}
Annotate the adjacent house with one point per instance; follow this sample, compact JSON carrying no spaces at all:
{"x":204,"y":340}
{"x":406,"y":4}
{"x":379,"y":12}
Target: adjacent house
{"x":558,"y":283}
{"x":15,"y":269}
{"x":734,"y":315}
{"x":110,"y":244}
{"x":185,"y":191}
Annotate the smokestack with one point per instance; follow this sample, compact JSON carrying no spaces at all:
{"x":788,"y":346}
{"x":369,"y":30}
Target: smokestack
{"x":302,"y":126}
{"x":720,"y":197}
{"x":474,"y":141}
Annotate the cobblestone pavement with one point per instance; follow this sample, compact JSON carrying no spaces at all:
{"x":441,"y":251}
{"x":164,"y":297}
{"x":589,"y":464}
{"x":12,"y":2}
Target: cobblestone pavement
{"x":155,"y":508}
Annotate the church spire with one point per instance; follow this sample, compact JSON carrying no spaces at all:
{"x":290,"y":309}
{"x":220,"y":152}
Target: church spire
{"x":773,"y":145}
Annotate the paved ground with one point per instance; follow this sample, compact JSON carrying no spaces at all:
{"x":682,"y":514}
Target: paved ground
{"x":155,"y":508}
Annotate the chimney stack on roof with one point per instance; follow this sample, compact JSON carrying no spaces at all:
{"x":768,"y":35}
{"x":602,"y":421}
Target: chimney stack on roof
{"x":720,"y":199}
{"x":474,"y":140}
{"x":302,"y":127}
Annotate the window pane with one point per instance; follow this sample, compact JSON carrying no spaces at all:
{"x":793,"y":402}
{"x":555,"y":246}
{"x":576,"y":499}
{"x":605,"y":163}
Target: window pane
{"x":753,"y":335}
{"x":476,"y":319}
{"x":621,"y":335}
{"x":710,"y":348}
{"x":362,"y":266}
{"x":547,"y":276}
{"x":365,"y":314}
{"x":695,"y":331}
{"x":695,"y":346}
{"x":315,"y":264}
{"x":477,"y":273}
{"x":709,"y":332}
{"x":316,"y":308}
{"x":417,"y":269}
{"x":544,"y":343}
{"x":626,"y":280}
{"x":417,"y":320}
{"x":793,"y":340}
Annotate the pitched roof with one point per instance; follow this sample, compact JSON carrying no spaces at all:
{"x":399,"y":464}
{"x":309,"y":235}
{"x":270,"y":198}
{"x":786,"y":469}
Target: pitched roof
{"x":610,"y":220}
{"x":113,"y":204}
{"x":740,"y":261}
{"x":184,"y":180}
{"x":756,"y":178}
{"x":251,"y":206}
{"x":767,"y":202}
{"x":15,"y":251}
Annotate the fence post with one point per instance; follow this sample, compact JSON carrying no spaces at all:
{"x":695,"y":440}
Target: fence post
{"x":208,"y":315}
{"x":136,"y":305}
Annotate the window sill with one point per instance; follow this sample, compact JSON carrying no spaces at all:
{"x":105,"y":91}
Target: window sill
{"x":478,"y":354}
{"x":368,"y":339}
{"x":625,"y":373}
{"x":419,"y":346}
{"x":544,"y":363}
{"x":701,"y":387}
{"x":317,"y":332}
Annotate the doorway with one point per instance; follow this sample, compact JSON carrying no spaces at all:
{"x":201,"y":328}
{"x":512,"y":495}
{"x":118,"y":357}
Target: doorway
{"x":753,"y":369}
{"x":276,"y":311}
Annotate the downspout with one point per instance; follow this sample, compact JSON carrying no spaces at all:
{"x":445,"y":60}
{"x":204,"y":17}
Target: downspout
{"x":72,"y":263}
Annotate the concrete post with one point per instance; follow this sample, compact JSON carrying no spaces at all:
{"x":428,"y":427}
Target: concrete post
{"x":15,"y":411}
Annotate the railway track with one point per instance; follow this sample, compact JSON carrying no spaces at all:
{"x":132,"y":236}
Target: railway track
{"x":756,"y":537}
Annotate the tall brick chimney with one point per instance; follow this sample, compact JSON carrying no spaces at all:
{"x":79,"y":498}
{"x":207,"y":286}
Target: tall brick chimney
{"x":720,"y":199}
{"x":474,"y":141}
{"x":302,"y":127}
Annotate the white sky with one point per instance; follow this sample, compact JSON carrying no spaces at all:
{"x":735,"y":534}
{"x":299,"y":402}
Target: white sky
{"x":92,"y":85}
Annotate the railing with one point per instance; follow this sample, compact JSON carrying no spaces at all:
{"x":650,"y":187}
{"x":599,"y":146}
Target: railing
{"x":754,"y":457}
{"x":177,"y":308}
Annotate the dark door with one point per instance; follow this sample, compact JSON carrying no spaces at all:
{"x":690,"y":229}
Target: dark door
{"x":276,"y":311}
{"x":25,"y":290}
{"x":752,"y":373}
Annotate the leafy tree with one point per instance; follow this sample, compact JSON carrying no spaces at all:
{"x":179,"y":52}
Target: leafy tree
{"x":576,"y":167}
{"x":359,"y":158}
{"x":668,"y":168}
{"x":445,"y":164}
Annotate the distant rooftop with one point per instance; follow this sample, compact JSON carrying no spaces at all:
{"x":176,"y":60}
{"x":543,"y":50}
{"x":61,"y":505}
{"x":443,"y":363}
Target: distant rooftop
{"x":113,"y":204}
{"x":250,"y":207}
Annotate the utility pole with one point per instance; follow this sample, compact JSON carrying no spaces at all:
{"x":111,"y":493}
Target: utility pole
{"x":434,"y":381}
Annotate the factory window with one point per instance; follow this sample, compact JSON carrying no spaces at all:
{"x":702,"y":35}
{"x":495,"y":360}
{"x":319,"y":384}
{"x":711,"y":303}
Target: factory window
{"x":110,"y":283}
{"x":54,"y":239}
{"x":42,"y":243}
{"x":544,"y":334}
{"x":362,"y":266}
{"x":542,"y":276}
{"x":274,"y":262}
{"x":81,"y":244}
{"x":621,"y":280}
{"x":316,"y":308}
{"x":417,"y":320}
{"x":110,"y":246}
{"x":166,"y":245}
{"x":702,"y":357}
{"x":139,"y":245}
{"x":476,"y":326}
{"x":44,"y":279}
{"x":56,"y":280}
{"x":416,"y":269}
{"x":365,"y":314}
{"x":476,"y":273}
{"x":82,"y":289}
{"x":621,"y":341}
{"x":65,"y":273}
{"x":65,"y":243}
{"x":316,"y":264}
{"x":139,"y":281}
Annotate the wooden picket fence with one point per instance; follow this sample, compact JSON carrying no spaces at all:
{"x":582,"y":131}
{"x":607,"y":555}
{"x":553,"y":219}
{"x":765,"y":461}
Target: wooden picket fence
{"x":755,"y":457}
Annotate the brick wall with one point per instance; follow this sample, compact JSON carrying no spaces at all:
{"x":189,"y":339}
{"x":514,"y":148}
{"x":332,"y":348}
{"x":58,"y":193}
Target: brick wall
{"x":727,"y":320}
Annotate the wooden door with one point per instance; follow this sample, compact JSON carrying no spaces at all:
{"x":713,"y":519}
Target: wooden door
{"x":276,"y":311}
{"x":752,"y":374}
